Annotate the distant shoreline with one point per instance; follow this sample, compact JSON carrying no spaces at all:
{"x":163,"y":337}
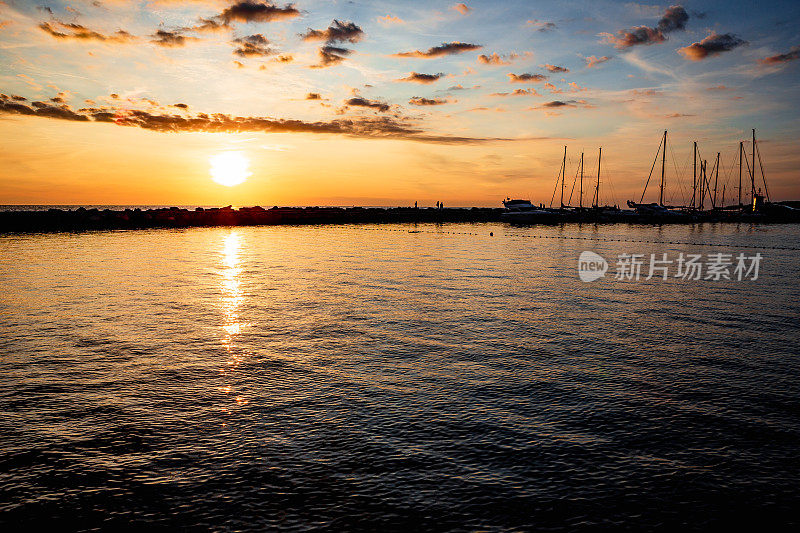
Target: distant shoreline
{"x":82,"y":219}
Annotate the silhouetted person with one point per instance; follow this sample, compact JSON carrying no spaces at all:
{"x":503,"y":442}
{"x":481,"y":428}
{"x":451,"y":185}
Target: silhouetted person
{"x":415,"y":205}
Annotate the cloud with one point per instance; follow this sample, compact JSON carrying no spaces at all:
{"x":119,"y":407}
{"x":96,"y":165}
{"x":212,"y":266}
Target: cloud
{"x":791,"y":55}
{"x":493,"y":59}
{"x":170,"y":39}
{"x":416,"y":77}
{"x":713,"y":44}
{"x":593,"y":61}
{"x":313,"y":96}
{"x":562,"y":104}
{"x":60,"y":98}
{"x":645,"y":92}
{"x":526,"y":78}
{"x":358,"y":101}
{"x":208,"y":25}
{"x":252,"y":46}
{"x":505,"y":59}
{"x":11,"y":105}
{"x":337,"y":32}
{"x":464,"y":9}
{"x":420,"y":101}
{"x":542,"y":26}
{"x":518,"y":92}
{"x":254,"y":11}
{"x":674,"y":18}
{"x":552,"y":88}
{"x":632,"y":37}
{"x":443,"y":49}
{"x":82,"y":33}
{"x":678,"y":115}
{"x":389,"y":19}
{"x":331,"y":55}
{"x":497,"y":59}
{"x":222,"y":123}
{"x":369,"y":126}
{"x":554,"y":68}
{"x":558,"y":103}
{"x":718,"y":88}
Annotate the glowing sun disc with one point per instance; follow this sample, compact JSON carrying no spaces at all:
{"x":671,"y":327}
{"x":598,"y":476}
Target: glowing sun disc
{"x":229,"y":168}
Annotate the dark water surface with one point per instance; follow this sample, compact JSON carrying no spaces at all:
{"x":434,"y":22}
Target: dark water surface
{"x":365,"y":377}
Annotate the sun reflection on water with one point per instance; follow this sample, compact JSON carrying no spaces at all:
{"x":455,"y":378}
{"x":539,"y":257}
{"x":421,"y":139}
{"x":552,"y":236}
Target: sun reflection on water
{"x":231,"y":292}
{"x":231,"y":299}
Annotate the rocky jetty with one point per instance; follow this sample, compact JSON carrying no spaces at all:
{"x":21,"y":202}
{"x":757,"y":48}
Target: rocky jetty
{"x":83,"y":219}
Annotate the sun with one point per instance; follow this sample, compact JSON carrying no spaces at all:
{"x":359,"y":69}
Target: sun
{"x":229,"y":168}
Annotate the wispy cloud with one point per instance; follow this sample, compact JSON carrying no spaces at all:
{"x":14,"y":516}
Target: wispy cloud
{"x":416,"y":77}
{"x":712,"y":45}
{"x":526,"y":78}
{"x":444,"y":49}
{"x":593,"y":61}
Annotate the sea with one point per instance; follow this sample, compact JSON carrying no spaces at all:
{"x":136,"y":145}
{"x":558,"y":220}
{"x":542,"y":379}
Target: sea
{"x":454,"y":377}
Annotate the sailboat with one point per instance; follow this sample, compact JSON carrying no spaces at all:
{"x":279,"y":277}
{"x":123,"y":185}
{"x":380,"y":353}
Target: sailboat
{"x":659,"y":211}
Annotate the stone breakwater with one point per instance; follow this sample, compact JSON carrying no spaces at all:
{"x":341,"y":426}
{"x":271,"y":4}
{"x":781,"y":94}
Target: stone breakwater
{"x":98,"y":219}
{"x":82,"y":219}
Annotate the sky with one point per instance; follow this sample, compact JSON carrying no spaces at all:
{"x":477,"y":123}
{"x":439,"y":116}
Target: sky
{"x":389,"y":103}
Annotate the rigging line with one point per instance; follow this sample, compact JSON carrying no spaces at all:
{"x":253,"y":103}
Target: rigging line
{"x":555,"y":188}
{"x":651,"y":170}
{"x":752,"y":189}
{"x":677,"y":176}
{"x":569,"y":202}
{"x":613,"y":189}
{"x":727,"y":177}
{"x":763,"y":177}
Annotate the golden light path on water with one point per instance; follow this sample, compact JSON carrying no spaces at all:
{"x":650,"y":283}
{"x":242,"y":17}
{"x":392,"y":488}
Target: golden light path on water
{"x":231,"y":299}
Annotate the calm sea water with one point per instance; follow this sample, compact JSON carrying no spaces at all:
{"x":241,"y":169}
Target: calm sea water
{"x":368,"y":377}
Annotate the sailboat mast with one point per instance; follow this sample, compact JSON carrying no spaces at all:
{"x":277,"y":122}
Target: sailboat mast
{"x":597,"y":188}
{"x":716,"y":179}
{"x":663,"y":163}
{"x":563,"y":175}
{"x":580,"y":200}
{"x":694,"y":178}
{"x":741,"y":149}
{"x":753,"y":172}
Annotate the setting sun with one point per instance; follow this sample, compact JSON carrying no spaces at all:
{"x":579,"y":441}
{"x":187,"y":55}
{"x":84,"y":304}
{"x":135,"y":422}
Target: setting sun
{"x":229,"y":168}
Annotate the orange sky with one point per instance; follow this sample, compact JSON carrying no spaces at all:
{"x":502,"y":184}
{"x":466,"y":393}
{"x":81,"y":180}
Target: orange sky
{"x":88,"y":115}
